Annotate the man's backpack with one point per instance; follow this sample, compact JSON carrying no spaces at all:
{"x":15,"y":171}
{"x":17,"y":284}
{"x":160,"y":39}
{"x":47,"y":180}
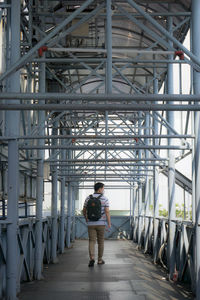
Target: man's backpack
{"x":94,"y":208}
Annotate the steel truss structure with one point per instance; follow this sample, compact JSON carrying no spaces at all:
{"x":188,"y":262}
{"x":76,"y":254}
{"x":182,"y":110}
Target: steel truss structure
{"x":87,"y":93}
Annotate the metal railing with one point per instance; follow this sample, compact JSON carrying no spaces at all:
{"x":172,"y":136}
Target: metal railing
{"x":25,"y":255}
{"x":158,"y":245}
{"x":120,"y":228}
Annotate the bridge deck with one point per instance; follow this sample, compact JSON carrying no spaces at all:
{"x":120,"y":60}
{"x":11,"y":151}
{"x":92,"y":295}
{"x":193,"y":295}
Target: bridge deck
{"x":128,"y":274}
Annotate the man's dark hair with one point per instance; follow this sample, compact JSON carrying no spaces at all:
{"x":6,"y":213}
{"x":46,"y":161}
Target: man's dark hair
{"x":98,"y":185}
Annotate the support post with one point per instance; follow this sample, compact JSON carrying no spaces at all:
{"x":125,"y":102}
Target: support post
{"x":109,"y":47}
{"x":12,"y":215}
{"x":147,"y":197}
{"x":69,"y":214}
{"x":40,"y":182}
{"x":140,"y":203}
{"x":54,"y":213}
{"x":12,"y":129}
{"x":62,"y":208}
{"x":73,"y":212}
{"x":171,"y":168}
{"x":156,"y":184}
{"x":196,"y":86}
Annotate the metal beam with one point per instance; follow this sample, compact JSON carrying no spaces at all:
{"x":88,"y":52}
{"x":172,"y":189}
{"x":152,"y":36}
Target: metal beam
{"x":104,"y":161}
{"x":102,"y":107}
{"x":164,"y":31}
{"x":99,"y":137}
{"x":55,"y":31}
{"x":94,"y":147}
{"x":100,"y":97}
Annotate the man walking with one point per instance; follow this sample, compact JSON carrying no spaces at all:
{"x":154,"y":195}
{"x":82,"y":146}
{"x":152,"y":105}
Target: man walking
{"x":97,"y":216}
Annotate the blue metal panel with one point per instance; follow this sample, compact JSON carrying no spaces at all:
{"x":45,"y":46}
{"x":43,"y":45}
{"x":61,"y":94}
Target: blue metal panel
{"x":120,"y":228}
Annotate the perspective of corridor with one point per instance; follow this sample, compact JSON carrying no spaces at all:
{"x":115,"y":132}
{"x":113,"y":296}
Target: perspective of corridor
{"x":100,"y":91}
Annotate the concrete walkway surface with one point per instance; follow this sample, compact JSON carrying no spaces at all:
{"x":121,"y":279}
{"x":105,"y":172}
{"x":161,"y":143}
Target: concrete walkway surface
{"x":128,"y":275}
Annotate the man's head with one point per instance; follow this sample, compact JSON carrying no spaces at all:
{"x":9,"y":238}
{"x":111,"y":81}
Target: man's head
{"x":99,"y":187}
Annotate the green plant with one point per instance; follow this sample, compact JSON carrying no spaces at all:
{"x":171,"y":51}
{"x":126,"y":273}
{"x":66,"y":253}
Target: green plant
{"x":162,"y":211}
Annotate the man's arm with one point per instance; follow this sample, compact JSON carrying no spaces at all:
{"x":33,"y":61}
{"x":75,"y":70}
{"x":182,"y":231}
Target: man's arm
{"x":107,"y":212}
{"x":85,"y":213}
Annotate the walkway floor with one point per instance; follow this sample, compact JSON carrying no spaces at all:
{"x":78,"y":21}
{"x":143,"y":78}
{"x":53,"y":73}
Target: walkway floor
{"x":128,"y":275}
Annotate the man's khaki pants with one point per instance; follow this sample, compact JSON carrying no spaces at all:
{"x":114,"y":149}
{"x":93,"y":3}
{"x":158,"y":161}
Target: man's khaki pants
{"x":96,"y":233}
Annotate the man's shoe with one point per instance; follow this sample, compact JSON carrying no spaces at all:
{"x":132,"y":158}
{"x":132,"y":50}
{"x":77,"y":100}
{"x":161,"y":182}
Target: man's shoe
{"x":101,"y":262}
{"x":91,"y":263}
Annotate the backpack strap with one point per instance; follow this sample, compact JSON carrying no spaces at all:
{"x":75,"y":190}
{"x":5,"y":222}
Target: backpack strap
{"x":92,"y":197}
{"x":99,"y":196}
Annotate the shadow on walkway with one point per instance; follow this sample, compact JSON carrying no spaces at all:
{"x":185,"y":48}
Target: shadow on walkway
{"x":128,"y":274}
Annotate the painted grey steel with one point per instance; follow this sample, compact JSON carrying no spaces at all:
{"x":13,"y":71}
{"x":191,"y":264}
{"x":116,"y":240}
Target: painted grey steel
{"x":196,"y":83}
{"x":109,"y":160}
{"x":140,"y":202}
{"x":62,"y":209}
{"x":100,"y":97}
{"x":146,"y":29}
{"x":114,"y":60}
{"x":69,"y":214}
{"x":110,"y":147}
{"x":108,"y":47}
{"x":73,"y":231}
{"x":146,"y":211}
{"x":164,"y":31}
{"x":102,"y":107}
{"x":12,"y":216}
{"x":12,"y":128}
{"x":120,"y":228}
{"x":99,"y":137}
{"x":184,"y":182}
{"x":55,"y":31}
{"x":99,"y":175}
{"x":171,"y":170}
{"x":40,"y":181}
{"x":107,"y":168}
{"x":54,"y":202}
{"x":115,"y":15}
{"x":156,"y":184}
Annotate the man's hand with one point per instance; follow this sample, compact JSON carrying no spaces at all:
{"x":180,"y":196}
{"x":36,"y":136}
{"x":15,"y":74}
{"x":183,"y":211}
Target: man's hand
{"x":108,"y":227}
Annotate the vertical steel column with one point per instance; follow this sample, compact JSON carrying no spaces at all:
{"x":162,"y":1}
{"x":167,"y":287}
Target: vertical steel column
{"x":156,"y":182}
{"x":171,"y":170}
{"x":106,"y":142}
{"x":62,"y":206}
{"x":73,"y":212}
{"x":69,"y":214}
{"x":147,"y":197}
{"x":108,"y":62}
{"x":12,"y":129}
{"x":54,"y":213}
{"x":196,"y":86}
{"x":12,"y":215}
{"x":40,"y":180}
{"x":140,"y":204}
{"x":134,"y":198}
{"x":69,"y":201}
{"x":131,"y":202}
{"x":109,"y":47}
